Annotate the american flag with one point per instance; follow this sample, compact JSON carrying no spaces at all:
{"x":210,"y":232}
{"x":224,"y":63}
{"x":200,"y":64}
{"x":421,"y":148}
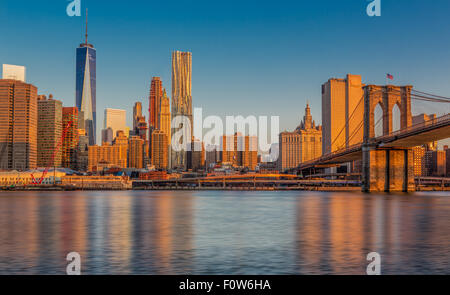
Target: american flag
{"x":390,"y":77}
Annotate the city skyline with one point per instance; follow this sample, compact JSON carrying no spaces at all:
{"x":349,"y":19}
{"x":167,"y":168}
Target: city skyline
{"x":295,"y":70}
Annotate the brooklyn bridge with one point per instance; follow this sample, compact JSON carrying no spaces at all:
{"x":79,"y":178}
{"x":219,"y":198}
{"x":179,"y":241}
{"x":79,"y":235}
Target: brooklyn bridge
{"x":385,"y":160}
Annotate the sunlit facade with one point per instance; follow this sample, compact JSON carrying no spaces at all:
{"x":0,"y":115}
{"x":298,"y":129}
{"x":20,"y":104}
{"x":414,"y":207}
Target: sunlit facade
{"x":85,"y":89}
{"x":181,"y":101}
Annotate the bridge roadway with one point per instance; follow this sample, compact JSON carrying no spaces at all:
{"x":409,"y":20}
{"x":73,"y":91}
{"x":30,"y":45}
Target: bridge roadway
{"x":416,"y":135}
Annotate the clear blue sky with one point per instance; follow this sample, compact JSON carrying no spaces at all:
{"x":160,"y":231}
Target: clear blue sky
{"x":249,"y":57}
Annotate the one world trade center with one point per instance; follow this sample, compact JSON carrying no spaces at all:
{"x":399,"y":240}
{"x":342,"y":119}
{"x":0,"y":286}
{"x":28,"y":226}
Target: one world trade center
{"x":85,"y":88}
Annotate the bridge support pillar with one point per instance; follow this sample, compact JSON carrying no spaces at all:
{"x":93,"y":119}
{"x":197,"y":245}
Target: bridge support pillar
{"x":387,"y":170}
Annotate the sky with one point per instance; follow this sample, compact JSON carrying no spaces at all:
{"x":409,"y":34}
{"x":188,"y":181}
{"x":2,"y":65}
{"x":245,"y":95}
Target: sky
{"x":259,"y":58}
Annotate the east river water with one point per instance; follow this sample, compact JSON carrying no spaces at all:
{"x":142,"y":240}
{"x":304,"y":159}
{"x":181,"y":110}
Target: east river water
{"x":223,"y":232}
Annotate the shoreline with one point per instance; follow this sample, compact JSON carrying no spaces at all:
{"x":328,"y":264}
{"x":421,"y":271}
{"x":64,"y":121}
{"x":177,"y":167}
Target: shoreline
{"x":311,"y":189}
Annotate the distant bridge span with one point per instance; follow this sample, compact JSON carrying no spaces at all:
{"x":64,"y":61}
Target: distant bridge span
{"x":387,"y":160}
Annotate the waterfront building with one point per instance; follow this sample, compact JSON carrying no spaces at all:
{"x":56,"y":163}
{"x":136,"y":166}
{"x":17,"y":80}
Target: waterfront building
{"x":301,"y":145}
{"x":181,"y":101}
{"x":13,"y":72}
{"x":27,"y":178}
{"x":49,"y":132}
{"x":116,"y":120}
{"x":107,"y":156}
{"x":18,"y":125}
{"x":70,"y":140}
{"x":342,"y":113}
{"x":97,"y":182}
{"x":239,"y":151}
{"x":136,"y":152}
{"x":159,"y":151}
{"x":86,"y":86}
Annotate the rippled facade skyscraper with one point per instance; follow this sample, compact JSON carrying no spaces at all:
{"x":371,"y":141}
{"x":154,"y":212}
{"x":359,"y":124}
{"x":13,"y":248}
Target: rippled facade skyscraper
{"x":181,"y":100}
{"x":85,"y":88}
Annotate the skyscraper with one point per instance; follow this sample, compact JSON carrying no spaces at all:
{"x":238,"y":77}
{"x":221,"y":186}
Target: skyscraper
{"x":18,"y":125}
{"x":159,"y":150}
{"x":137,"y":114}
{"x":116,"y":120}
{"x":181,"y":101}
{"x":156,"y":93}
{"x":136,"y":152}
{"x":165,"y":116}
{"x":70,"y":141}
{"x":342,"y":113}
{"x":85,"y":88}
{"x":14,"y":72}
{"x":49,"y":132}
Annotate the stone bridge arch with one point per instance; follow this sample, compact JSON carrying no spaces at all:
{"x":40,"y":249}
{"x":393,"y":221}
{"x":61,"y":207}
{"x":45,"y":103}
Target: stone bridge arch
{"x":386,"y":169}
{"x":387,"y":97}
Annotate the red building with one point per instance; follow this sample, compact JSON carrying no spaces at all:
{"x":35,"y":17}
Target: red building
{"x":70,"y":141}
{"x":156,"y":92}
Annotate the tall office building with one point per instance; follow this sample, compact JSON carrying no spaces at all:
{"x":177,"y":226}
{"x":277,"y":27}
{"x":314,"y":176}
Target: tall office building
{"x":419,"y":161}
{"x":342,"y":113}
{"x":181,"y":101}
{"x":85,"y":87}
{"x":436,"y":163}
{"x":156,"y":93}
{"x":70,"y":141}
{"x":107,"y":135}
{"x":165,"y":116}
{"x":18,"y":125}
{"x":82,"y":151}
{"x":136,"y":152}
{"x":137,"y":114}
{"x":159,"y":150}
{"x":116,"y":120}
{"x":13,"y":72}
{"x":49,"y":132}
{"x":302,"y":145}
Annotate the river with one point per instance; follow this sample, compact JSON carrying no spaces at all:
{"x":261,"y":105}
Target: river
{"x":224,"y":232}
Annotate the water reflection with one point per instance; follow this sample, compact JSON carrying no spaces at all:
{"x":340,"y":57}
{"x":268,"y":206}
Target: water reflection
{"x":223,"y":232}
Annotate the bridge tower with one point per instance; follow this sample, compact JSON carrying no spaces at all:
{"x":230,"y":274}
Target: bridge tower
{"x":386,"y":169}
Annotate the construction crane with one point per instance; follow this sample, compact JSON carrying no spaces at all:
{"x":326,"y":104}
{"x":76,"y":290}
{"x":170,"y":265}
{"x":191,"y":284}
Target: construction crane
{"x":52,"y":159}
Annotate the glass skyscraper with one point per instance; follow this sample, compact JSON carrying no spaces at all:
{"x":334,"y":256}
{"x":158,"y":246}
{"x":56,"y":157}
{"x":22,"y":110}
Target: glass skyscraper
{"x":86,"y":88}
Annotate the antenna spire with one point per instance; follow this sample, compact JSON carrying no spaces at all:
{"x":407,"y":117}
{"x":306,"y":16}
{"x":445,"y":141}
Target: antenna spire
{"x":86,"y":26}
